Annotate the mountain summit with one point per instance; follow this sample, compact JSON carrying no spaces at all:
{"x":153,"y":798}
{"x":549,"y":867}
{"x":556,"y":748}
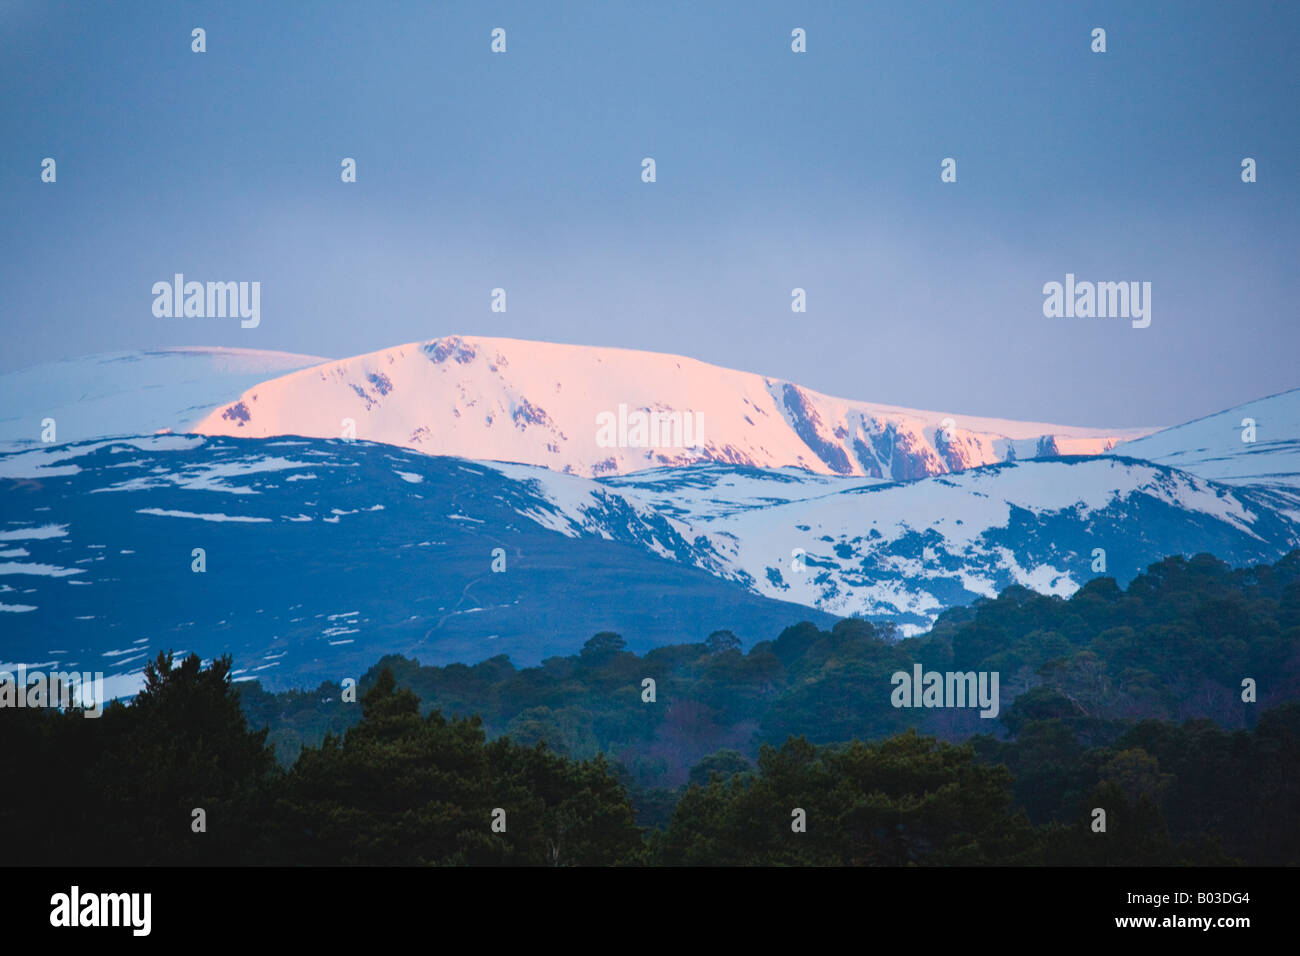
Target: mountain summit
{"x":584,"y":410}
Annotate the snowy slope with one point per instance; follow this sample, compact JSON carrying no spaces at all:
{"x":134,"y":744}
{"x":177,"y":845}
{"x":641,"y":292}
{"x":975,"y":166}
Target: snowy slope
{"x":702,"y":493}
{"x":906,"y":551}
{"x":131,"y":393}
{"x":910,"y":550}
{"x":538,"y":403}
{"x":322,"y":556}
{"x":1212,"y":447}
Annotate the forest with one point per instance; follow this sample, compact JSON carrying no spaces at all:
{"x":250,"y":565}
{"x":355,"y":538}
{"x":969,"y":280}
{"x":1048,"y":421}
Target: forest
{"x":1172,"y":707}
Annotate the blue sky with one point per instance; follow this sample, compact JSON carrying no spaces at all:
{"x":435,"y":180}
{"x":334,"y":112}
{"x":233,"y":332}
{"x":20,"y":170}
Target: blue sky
{"x":775,"y":170}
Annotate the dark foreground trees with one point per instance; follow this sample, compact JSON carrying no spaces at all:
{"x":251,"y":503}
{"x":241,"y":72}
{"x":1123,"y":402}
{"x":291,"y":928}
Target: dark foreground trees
{"x":905,"y":800}
{"x":176,"y":777}
{"x":403,"y":789}
{"x":133,"y":786}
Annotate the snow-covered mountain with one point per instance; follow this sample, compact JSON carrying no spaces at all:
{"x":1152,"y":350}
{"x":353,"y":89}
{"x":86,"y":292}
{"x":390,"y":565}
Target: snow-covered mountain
{"x":907,"y":550}
{"x":131,"y":393}
{"x":575,"y":409}
{"x":323,"y":554}
{"x":1257,"y":443}
{"x":320,"y":556}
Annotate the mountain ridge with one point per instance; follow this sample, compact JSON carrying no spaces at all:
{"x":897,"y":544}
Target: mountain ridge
{"x":493,"y":399}
{"x":130,"y":393}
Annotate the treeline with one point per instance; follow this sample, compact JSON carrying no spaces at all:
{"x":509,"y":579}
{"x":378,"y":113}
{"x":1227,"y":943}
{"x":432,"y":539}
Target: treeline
{"x":1176,"y":645}
{"x":1162,"y":795}
{"x":1125,"y":735}
{"x":177,"y":777}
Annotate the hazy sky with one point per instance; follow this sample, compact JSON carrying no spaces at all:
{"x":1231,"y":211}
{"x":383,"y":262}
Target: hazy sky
{"x":775,"y":170}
